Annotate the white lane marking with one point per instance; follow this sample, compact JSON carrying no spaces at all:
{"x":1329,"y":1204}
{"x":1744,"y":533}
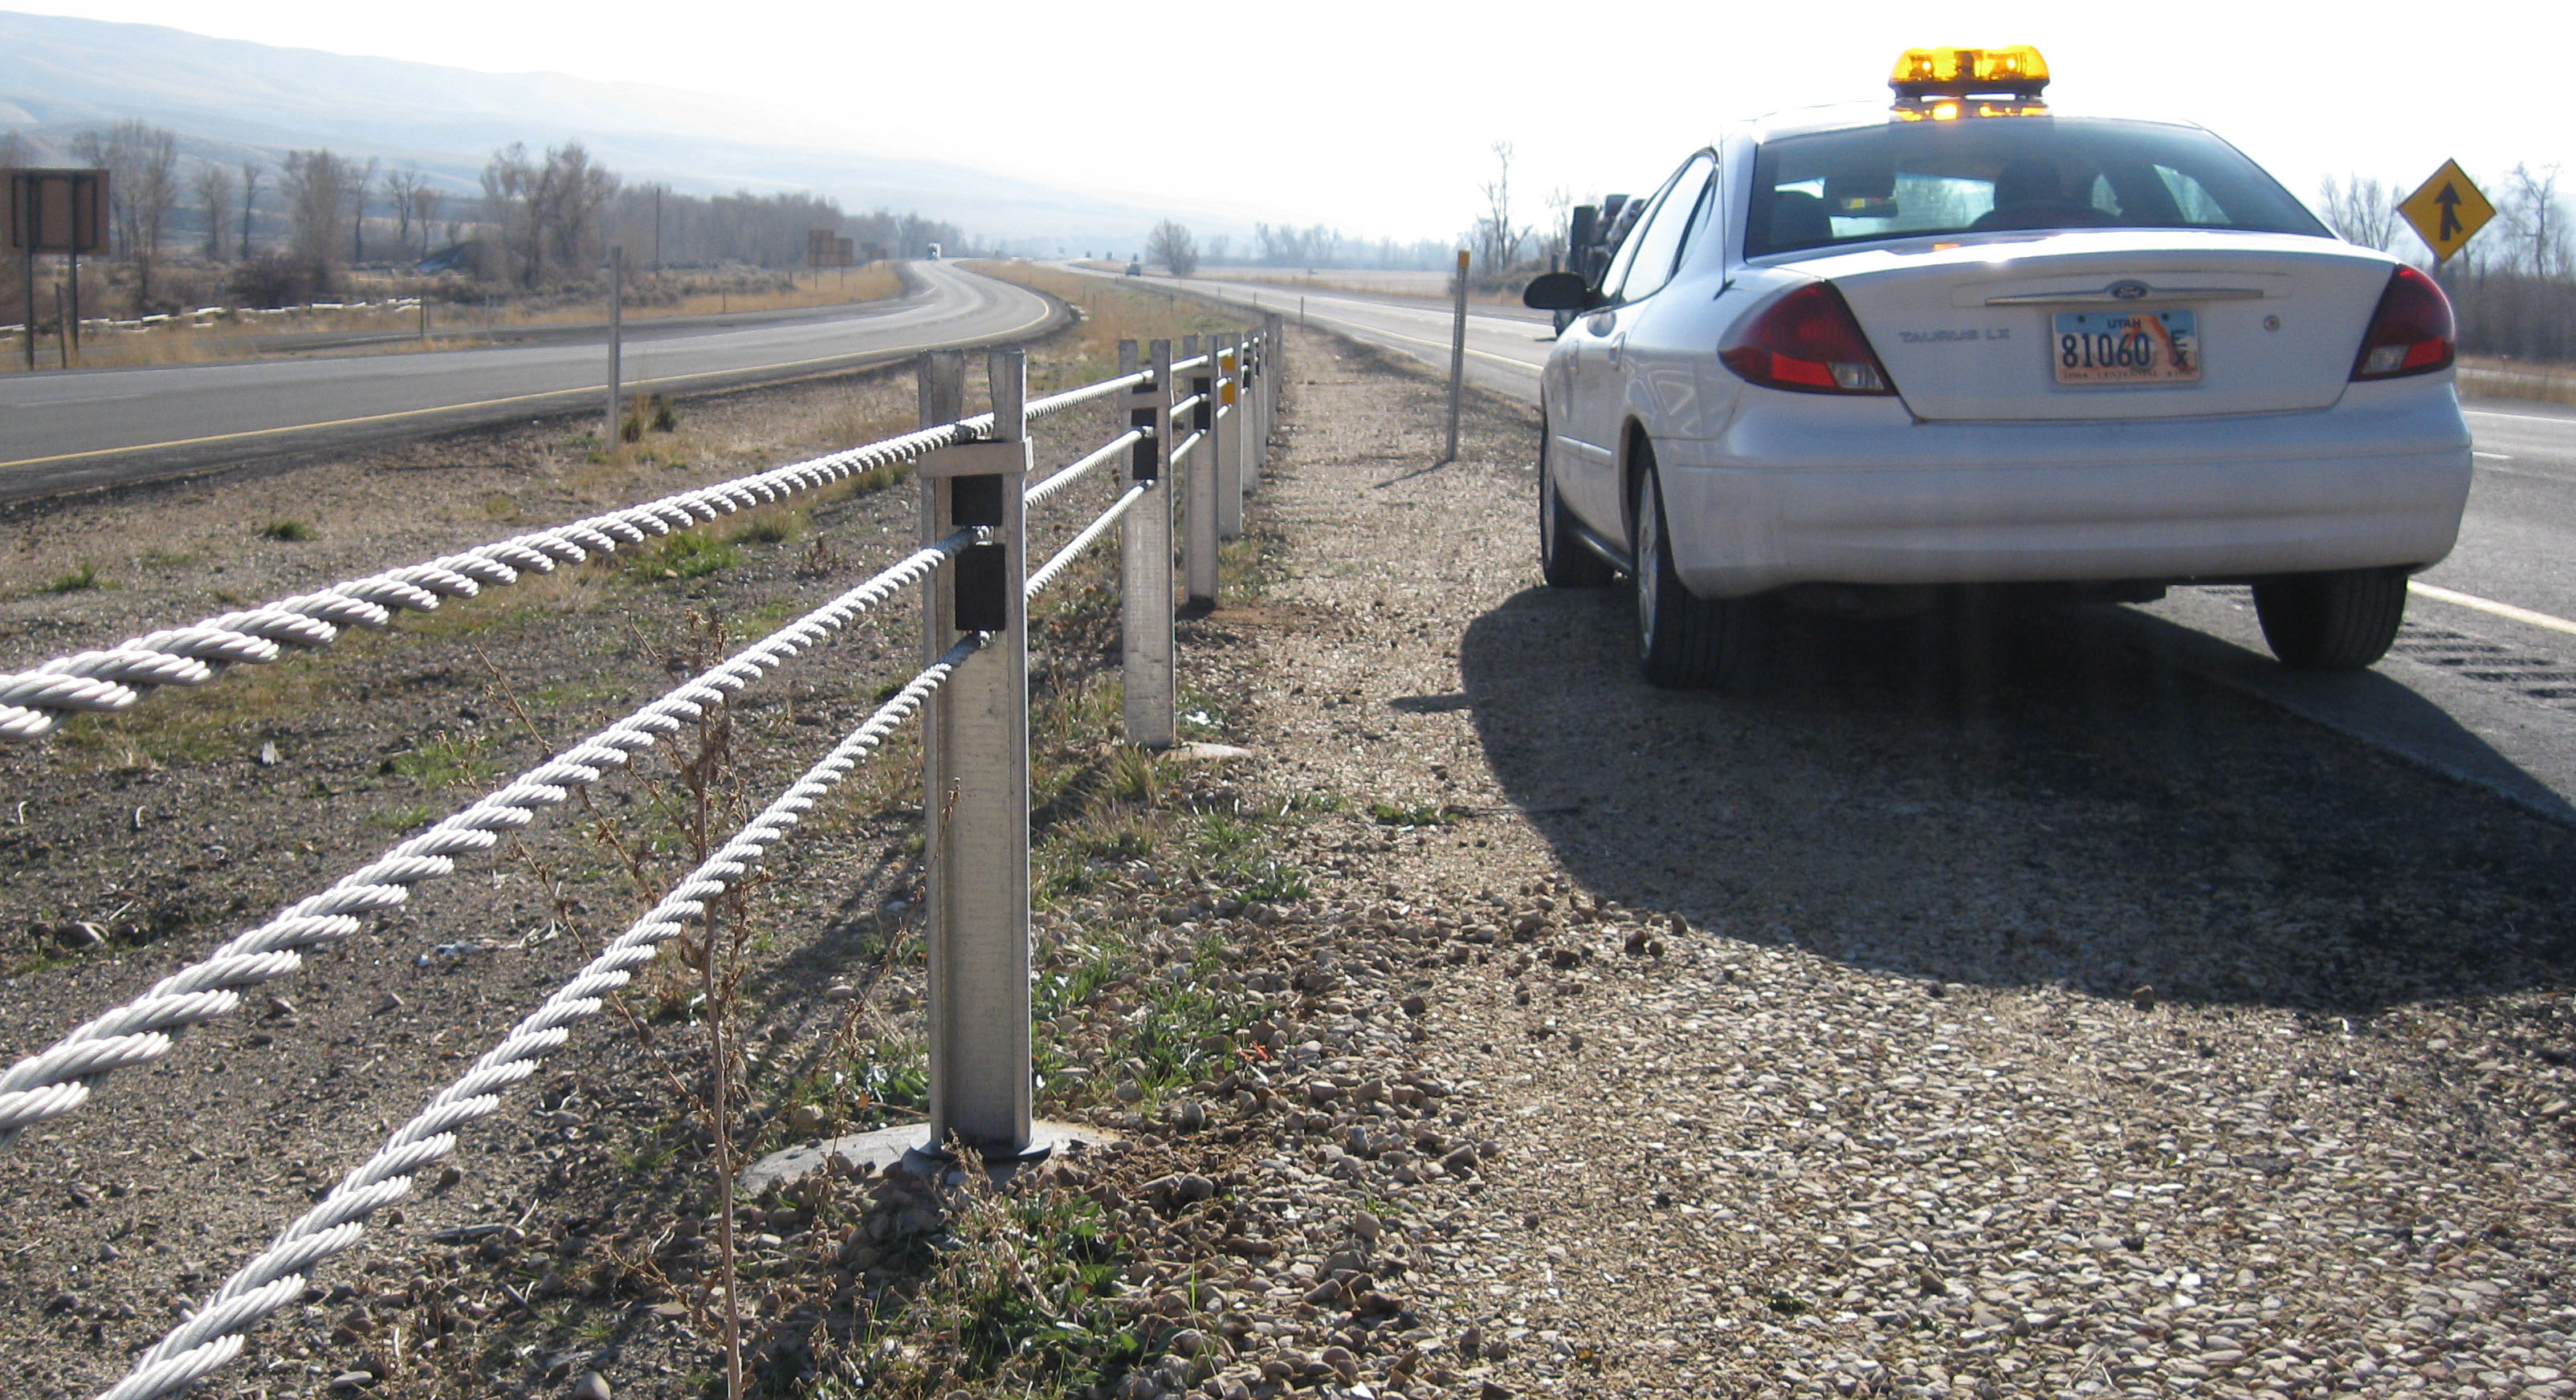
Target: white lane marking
{"x":1443,"y":345}
{"x":2489,"y":605}
{"x":2492,"y":456}
{"x":2520,"y":417}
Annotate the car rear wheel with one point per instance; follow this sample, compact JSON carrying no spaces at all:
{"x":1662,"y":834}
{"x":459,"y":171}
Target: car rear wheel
{"x":2340,"y":621}
{"x":1562,"y":560}
{"x":1685,"y":642}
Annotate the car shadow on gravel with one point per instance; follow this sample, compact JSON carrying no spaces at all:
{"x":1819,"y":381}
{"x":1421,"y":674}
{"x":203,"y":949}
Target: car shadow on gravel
{"x":2011,"y":797}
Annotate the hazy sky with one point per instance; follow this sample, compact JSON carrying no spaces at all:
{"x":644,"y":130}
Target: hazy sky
{"x":1378,"y":117}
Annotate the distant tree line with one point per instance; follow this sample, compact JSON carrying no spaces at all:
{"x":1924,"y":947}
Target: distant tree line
{"x":267,"y":236}
{"x":2514,"y":285}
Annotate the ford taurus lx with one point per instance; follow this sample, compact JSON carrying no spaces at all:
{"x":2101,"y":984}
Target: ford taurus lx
{"x":1849,"y":357}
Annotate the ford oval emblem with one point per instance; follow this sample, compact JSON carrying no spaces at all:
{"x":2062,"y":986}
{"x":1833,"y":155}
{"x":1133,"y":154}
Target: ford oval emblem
{"x":2128,"y":290}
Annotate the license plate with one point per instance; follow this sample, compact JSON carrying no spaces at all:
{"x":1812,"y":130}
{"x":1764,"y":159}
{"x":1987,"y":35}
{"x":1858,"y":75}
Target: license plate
{"x":2126,"y":347}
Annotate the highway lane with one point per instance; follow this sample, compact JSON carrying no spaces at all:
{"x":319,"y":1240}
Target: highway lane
{"x":70,"y":431}
{"x":2470,"y":689}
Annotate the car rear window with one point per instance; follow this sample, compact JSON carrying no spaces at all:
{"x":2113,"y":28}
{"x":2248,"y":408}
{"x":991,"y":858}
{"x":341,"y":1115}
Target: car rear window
{"x":1919,"y":179}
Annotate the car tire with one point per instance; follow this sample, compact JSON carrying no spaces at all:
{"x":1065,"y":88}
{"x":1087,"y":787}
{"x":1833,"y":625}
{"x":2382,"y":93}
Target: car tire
{"x":1562,"y":560}
{"x":1685,"y":642}
{"x":2341,"y":621}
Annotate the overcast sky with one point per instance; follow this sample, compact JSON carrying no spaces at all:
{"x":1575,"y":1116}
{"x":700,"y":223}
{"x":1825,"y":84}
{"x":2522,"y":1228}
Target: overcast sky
{"x":1378,"y":117}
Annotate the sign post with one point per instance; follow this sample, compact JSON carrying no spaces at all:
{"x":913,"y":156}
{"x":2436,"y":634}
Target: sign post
{"x":56,"y":211}
{"x":2447,"y":211}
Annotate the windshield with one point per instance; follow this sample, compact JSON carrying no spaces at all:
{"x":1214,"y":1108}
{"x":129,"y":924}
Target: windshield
{"x":1913,"y":179}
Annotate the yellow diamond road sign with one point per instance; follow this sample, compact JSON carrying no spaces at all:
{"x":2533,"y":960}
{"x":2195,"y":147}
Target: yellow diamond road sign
{"x":2448,"y":211}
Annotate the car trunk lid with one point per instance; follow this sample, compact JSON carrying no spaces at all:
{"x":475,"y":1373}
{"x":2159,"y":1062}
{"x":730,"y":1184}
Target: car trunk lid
{"x":1978,"y":329}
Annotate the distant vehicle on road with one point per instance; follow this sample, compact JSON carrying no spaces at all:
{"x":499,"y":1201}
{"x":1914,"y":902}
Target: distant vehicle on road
{"x":1135,"y":269}
{"x":1847,"y":357}
{"x":934,"y":252}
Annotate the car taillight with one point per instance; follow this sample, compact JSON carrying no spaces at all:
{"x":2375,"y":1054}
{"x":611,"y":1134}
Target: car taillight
{"x":2411,"y":333}
{"x":1808,"y":342}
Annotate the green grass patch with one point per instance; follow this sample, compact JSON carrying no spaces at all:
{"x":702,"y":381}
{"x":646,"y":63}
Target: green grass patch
{"x":686,"y":555}
{"x":81,"y":579}
{"x":1408,"y":812}
{"x":287,"y":531}
{"x":447,"y":760}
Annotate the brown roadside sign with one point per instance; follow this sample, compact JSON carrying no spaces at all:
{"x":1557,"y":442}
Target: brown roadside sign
{"x":2447,"y":211}
{"x":56,"y":211}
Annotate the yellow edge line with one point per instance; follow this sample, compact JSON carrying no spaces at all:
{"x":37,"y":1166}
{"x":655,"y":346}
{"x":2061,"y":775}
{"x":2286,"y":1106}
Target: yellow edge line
{"x":442,"y":408}
{"x":2488,"y":605}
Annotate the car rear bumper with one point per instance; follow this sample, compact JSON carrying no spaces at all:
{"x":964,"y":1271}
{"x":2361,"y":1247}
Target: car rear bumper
{"x":1820,"y":490}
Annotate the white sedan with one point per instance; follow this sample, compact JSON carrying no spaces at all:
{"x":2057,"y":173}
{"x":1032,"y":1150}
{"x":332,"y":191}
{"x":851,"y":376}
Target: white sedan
{"x":1845,"y":358}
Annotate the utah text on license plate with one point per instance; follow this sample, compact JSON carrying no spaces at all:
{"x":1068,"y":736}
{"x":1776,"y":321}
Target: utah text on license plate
{"x":2126,"y":347}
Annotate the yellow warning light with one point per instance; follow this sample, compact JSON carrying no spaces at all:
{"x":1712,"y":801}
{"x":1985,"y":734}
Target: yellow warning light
{"x":2017,"y":71}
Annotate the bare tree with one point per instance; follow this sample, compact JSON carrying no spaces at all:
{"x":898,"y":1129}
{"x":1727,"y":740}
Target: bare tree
{"x":2536,"y":222}
{"x":580,"y":187}
{"x":214,"y":187}
{"x":1496,"y":235}
{"x":514,"y":204}
{"x":360,"y":182}
{"x":400,"y":186}
{"x":142,"y":164}
{"x":424,"y":207}
{"x":316,"y":185}
{"x":2362,"y":210}
{"x":251,"y":170}
{"x":1171,"y":245}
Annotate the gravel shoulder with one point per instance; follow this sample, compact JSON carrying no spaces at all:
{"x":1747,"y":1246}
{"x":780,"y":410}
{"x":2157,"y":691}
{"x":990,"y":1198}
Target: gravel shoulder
{"x":1981,"y":1008}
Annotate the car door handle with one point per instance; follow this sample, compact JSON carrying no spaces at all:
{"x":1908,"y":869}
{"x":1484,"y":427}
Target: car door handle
{"x":1615,"y":344}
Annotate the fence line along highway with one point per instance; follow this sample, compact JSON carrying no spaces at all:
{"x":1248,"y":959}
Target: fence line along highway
{"x":971,"y":695}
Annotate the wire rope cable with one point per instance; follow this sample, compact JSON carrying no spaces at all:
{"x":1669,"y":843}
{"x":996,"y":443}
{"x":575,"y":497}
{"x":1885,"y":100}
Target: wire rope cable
{"x":58,"y":1080}
{"x":214,"y":1335}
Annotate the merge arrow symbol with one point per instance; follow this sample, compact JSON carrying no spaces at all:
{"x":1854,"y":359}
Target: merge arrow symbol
{"x":2449,"y":199}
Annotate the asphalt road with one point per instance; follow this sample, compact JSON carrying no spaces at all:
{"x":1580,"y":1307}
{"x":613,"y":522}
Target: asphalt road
{"x":2481,"y":684}
{"x":87,"y":428}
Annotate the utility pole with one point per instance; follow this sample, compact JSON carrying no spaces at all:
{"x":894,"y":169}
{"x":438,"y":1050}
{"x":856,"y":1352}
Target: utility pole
{"x":1457,"y":357}
{"x":616,"y":336}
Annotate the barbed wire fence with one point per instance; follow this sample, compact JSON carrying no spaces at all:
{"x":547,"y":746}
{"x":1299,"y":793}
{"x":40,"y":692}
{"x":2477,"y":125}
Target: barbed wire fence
{"x":970,"y":695}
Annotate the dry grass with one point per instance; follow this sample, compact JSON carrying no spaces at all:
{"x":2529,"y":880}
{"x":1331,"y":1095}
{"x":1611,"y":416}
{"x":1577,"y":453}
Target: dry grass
{"x":2486,"y":378}
{"x":1111,"y":312}
{"x":184,"y":340}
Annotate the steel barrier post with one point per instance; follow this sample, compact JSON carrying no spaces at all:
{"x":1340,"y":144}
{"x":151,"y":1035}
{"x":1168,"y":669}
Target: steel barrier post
{"x":1146,"y":639}
{"x":1229,"y":437}
{"x":1255,"y":366}
{"x":1274,"y":333}
{"x":975,"y":770}
{"x":1198,"y":544}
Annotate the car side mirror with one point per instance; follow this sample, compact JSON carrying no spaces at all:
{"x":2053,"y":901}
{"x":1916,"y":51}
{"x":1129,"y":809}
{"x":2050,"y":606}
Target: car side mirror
{"x":1559,"y":291}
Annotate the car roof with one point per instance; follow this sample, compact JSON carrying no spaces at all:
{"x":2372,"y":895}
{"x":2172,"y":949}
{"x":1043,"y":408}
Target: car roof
{"x":1849,"y":116}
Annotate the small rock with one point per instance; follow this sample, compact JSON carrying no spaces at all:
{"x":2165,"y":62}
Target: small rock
{"x":807,"y":1119}
{"x":1325,"y":1294}
{"x":840,"y":991}
{"x":2144,"y":998}
{"x":1415,"y":1005}
{"x":1460,"y":1162}
{"x":1367,"y":1226}
{"x":63,"y":1303}
{"x":390,"y":1003}
{"x":591,"y":1386}
{"x":280,"y":1006}
{"x":268,"y":755}
{"x":1227,"y":1388}
{"x":353,"y":1380}
{"x":1344,"y":1364}
{"x":1189,"y":1341}
{"x":1492,"y":1390}
{"x":1190,"y":1116}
